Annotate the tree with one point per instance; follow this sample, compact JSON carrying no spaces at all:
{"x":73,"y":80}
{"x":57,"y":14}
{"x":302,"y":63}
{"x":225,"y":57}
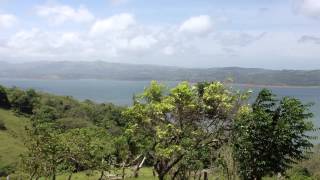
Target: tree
{"x":44,"y":149}
{"x":4,"y":101}
{"x":169,"y":126}
{"x":271,"y":135}
{"x":23,"y":101}
{"x":51,"y":151}
{"x":87,"y":149}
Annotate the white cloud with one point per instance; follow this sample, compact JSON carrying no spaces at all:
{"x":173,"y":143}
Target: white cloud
{"x":7,"y":20}
{"x":38,"y":43}
{"x":168,"y":50}
{"x":59,"y":14}
{"x":114,"y":23}
{"x":142,"y":42}
{"x":122,"y":38}
{"x":197,"y":25}
{"x":237,"y":38}
{"x":309,"y":8}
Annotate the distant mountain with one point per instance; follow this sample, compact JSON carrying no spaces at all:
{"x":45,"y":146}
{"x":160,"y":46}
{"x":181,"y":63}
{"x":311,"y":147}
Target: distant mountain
{"x":118,"y":71}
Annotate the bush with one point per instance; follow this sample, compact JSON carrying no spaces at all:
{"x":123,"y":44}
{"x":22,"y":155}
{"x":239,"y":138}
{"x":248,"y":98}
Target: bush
{"x":23,"y":101}
{"x":300,"y":173}
{"x":73,"y":123}
{"x":4,"y":101}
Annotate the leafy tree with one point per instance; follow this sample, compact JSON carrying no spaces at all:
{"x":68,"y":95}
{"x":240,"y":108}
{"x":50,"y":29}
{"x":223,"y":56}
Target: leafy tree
{"x":53,"y":148}
{"x":4,"y":101}
{"x":170,"y":126}
{"x":271,"y":135}
{"x":87,"y":149}
{"x":72,"y":123}
{"x":44,"y":150}
{"x":23,"y":101}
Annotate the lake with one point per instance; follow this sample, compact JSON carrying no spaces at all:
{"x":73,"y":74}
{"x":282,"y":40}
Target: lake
{"x":121,"y":92}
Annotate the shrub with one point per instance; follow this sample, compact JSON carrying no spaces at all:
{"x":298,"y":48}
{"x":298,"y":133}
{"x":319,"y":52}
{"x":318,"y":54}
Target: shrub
{"x":72,"y":123}
{"x":4,"y":101}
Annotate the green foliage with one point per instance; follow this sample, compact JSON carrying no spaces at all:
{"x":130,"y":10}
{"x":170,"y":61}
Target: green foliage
{"x":87,"y":149}
{"x":4,"y":101}
{"x":23,"y":101}
{"x":72,"y":123}
{"x":272,"y":136}
{"x":44,"y":150}
{"x":52,"y":151}
{"x":180,"y":131}
{"x":175,"y":127}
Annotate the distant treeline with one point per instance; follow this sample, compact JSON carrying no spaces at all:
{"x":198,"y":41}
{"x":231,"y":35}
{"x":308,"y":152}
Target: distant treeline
{"x":118,"y":71}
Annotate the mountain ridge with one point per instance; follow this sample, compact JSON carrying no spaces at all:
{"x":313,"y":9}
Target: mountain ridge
{"x":137,"y":72}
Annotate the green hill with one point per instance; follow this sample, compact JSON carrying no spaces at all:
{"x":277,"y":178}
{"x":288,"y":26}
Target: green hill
{"x":11,"y":138}
{"x":135,"y":72}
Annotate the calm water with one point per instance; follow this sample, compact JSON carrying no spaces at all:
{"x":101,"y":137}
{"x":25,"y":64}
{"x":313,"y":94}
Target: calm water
{"x":120,"y":92}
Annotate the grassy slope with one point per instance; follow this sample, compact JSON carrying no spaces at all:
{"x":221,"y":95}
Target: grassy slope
{"x":12,"y":138}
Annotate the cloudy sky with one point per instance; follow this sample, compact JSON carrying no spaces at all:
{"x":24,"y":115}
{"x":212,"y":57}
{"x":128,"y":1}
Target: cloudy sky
{"x":277,"y":34}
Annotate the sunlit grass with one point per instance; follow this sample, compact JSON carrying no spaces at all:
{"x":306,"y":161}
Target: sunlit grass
{"x":11,"y":138}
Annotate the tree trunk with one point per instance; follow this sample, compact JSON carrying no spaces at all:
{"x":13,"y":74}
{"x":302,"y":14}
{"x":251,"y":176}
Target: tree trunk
{"x":138,"y":167}
{"x":161,"y":176}
{"x":54,"y":177}
{"x":257,"y":178}
{"x":69,"y":177}
{"x":200,"y":176}
{"x":33,"y":174}
{"x":123,"y":171}
{"x":101,"y":176}
{"x":153,"y":173}
{"x":205,"y":175}
{"x":175,"y":174}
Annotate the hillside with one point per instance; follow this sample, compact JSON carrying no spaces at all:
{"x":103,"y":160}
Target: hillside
{"x":118,"y":71}
{"x":11,"y":138}
{"x":79,"y":133}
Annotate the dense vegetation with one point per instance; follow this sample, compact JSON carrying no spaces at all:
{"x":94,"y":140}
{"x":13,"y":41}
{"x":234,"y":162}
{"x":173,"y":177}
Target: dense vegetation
{"x":117,"y":71}
{"x":196,"y":131}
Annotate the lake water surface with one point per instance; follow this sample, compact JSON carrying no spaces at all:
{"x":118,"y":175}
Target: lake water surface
{"x":121,"y":92}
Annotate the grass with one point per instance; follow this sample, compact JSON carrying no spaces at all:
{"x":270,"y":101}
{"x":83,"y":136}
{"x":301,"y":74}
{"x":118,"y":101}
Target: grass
{"x":144,"y":174}
{"x":11,"y":138}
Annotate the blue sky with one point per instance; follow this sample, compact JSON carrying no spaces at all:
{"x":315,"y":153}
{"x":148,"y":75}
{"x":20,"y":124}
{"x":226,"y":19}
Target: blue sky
{"x":277,"y":34}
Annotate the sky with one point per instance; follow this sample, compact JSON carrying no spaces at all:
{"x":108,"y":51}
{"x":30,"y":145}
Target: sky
{"x":274,"y":34}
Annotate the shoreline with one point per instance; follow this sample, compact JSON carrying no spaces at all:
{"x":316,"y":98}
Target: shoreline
{"x":248,"y":85}
{"x":275,"y":86}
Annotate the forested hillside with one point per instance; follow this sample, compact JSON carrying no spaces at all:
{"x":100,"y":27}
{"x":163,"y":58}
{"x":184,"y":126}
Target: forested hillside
{"x":117,"y":71}
{"x":204,"y":131}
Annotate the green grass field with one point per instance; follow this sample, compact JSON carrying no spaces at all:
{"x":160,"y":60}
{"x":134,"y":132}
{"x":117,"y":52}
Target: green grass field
{"x":12,"y":138}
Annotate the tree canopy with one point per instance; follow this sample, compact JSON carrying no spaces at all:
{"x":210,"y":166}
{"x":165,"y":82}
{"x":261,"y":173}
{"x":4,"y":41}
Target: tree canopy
{"x":271,"y":135}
